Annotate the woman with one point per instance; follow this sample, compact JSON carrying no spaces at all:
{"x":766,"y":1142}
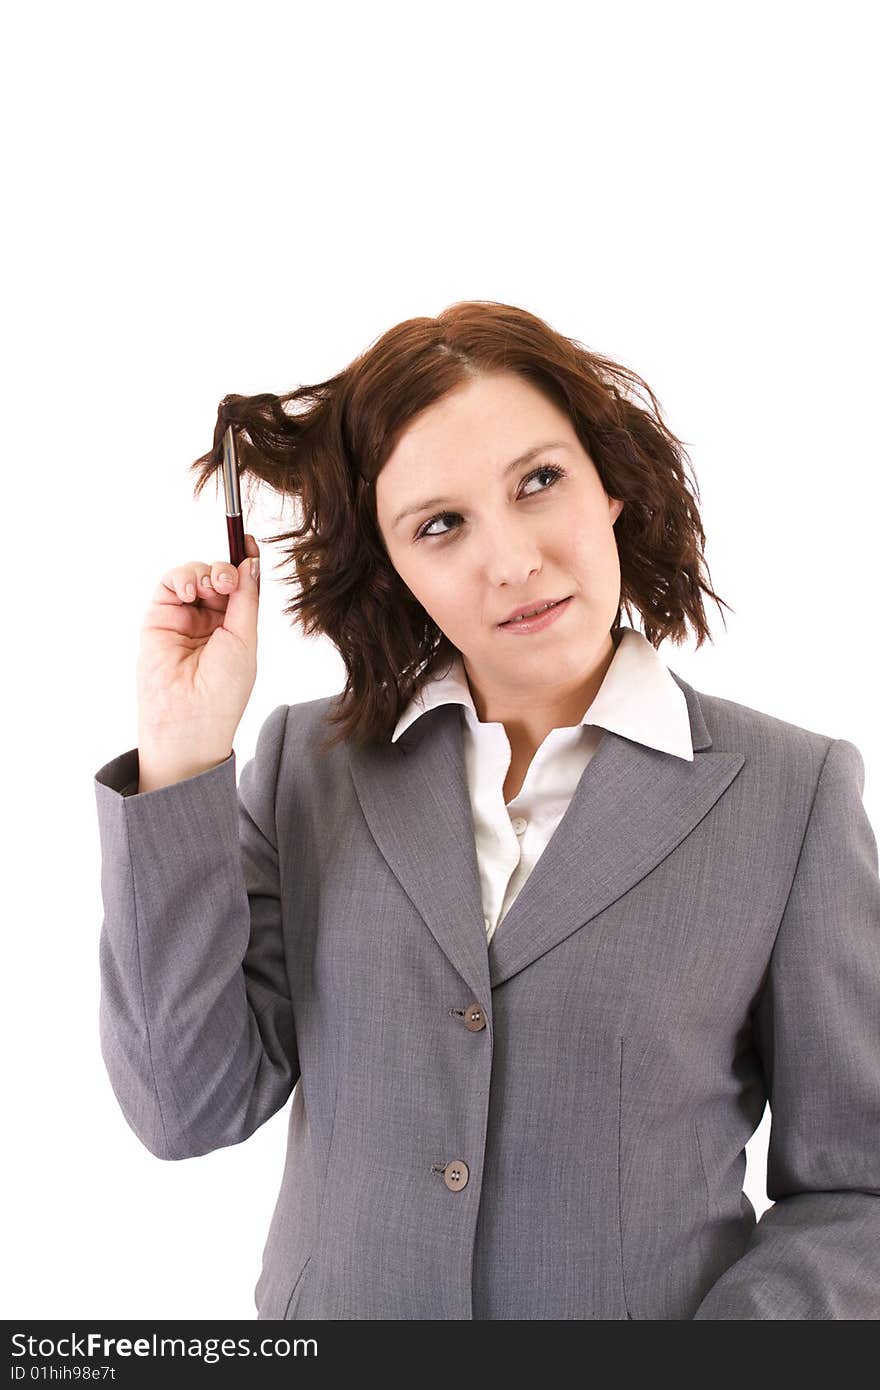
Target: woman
{"x":541,"y":928}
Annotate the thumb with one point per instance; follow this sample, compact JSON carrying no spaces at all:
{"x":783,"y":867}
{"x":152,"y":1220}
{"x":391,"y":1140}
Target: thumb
{"x":242,"y":605}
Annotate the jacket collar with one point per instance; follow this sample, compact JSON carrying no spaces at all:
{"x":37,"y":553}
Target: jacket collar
{"x":632,"y":805}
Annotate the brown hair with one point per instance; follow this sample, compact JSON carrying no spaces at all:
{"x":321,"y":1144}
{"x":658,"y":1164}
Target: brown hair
{"x":327,"y":452}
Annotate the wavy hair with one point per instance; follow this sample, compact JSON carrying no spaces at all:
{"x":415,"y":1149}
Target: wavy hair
{"x":325,"y":444}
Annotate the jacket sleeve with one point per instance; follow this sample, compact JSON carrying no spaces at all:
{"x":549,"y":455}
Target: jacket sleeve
{"x":196,"y":1020}
{"x":815,"y":1254}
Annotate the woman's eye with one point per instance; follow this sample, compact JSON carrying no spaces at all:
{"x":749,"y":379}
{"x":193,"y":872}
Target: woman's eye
{"x":424,"y":534}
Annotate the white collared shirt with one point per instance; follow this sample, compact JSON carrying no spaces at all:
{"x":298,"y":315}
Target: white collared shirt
{"x":638,"y":699}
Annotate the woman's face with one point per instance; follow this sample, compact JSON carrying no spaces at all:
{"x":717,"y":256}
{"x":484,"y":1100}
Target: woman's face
{"x":483,"y":537}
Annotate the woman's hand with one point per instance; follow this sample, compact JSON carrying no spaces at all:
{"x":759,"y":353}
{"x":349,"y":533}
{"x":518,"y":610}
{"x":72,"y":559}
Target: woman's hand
{"x":197,"y":663}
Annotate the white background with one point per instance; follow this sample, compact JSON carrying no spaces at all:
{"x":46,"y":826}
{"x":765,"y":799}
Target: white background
{"x":213,"y":198}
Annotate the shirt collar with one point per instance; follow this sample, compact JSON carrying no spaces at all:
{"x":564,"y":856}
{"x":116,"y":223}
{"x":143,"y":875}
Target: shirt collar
{"x":638,"y":699}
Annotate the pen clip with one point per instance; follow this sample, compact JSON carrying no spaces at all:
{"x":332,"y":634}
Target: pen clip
{"x":230,"y":473}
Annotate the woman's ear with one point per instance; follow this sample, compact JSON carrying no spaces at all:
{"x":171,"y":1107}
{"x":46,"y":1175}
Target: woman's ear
{"x":615,"y":507}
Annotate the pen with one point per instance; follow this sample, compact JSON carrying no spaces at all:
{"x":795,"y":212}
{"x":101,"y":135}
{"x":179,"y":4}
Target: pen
{"x":234,"y":523}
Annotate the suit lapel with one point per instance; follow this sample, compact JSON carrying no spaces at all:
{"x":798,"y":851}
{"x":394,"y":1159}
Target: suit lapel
{"x":631,"y":807}
{"x":414,"y":797}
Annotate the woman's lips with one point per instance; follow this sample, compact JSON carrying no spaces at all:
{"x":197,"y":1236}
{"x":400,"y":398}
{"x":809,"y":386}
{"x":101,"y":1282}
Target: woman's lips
{"x":539,"y":621}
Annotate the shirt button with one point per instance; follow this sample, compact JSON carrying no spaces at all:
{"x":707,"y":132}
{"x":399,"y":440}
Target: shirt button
{"x":474,"y":1018}
{"x":519,"y":824}
{"x":487,"y":922}
{"x":455,"y":1175}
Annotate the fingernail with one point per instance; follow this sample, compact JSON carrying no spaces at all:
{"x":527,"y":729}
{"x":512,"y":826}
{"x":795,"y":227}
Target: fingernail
{"x":255,"y":569}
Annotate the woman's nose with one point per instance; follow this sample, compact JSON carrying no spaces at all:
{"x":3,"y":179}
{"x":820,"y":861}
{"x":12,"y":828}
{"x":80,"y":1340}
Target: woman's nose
{"x":510,"y":556}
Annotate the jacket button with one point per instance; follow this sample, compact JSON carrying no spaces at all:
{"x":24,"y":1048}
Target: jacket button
{"x":455,"y":1175}
{"x":473,"y":1018}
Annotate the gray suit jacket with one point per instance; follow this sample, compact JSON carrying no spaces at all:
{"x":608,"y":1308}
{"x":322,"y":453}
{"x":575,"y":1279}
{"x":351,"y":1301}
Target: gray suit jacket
{"x":552,"y":1127}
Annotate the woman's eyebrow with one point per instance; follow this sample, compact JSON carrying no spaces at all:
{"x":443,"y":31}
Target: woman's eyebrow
{"x":514,"y":463}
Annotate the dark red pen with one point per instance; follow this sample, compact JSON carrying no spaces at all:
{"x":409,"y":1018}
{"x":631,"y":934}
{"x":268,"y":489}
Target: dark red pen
{"x":234,"y":522}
